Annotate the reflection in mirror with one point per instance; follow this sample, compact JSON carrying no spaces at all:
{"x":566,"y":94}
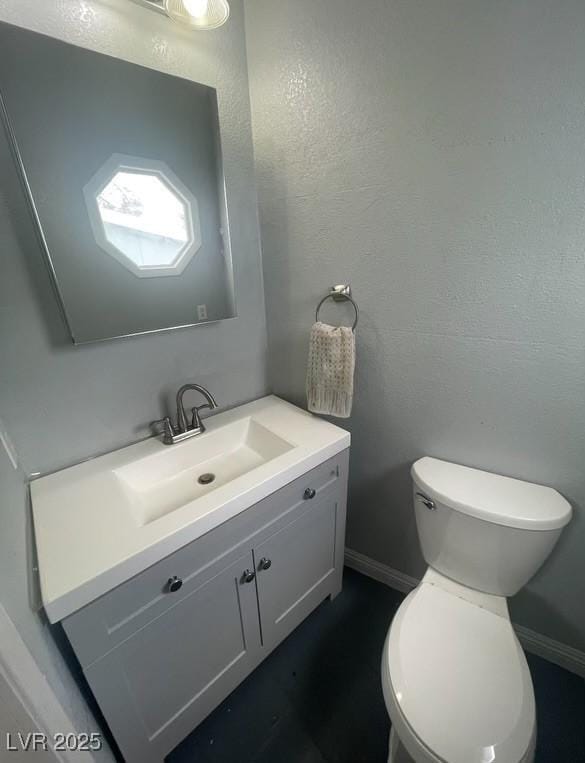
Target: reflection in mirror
{"x":123,"y":170}
{"x":143,"y":216}
{"x":144,"y":219}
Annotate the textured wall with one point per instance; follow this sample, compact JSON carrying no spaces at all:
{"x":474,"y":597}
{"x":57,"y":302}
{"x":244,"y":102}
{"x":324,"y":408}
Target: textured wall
{"x":432,"y":153}
{"x":62,"y":403}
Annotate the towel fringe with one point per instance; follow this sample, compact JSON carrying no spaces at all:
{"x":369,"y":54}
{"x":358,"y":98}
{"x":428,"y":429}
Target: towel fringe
{"x":330,"y":402}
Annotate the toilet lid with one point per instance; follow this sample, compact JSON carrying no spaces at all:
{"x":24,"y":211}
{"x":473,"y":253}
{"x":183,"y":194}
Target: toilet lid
{"x":460,"y":679}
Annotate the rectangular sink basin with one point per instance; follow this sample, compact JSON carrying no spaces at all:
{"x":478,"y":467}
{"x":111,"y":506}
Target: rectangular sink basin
{"x":161,"y":483}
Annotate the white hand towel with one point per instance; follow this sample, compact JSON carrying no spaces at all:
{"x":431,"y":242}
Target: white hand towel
{"x":330,"y":370}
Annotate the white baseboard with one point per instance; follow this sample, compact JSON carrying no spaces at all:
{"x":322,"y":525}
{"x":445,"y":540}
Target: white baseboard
{"x":380,"y":572}
{"x":554,"y":651}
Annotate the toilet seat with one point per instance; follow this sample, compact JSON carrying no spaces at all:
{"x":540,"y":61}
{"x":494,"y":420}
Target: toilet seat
{"x":456,"y":682}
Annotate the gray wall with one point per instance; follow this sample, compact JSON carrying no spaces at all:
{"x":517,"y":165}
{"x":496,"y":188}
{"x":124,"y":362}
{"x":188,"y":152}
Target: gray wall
{"x":62,"y":403}
{"x":432,"y":154}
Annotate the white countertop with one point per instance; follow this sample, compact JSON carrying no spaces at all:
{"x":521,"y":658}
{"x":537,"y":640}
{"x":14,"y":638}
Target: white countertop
{"x":89,"y":539}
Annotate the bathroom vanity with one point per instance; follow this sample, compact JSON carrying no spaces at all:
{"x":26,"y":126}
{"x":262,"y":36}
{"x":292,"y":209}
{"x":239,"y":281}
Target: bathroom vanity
{"x":172,"y":590}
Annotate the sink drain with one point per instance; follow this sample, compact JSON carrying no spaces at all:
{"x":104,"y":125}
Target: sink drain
{"x":206,"y":478}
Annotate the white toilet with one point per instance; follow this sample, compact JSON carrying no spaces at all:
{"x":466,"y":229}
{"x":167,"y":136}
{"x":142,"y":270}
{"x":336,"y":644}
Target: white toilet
{"x":455,"y":678}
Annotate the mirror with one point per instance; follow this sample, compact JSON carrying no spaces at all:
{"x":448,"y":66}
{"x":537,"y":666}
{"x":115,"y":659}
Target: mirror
{"x":122,"y":167}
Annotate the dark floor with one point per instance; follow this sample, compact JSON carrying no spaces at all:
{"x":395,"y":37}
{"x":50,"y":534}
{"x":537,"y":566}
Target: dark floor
{"x":318,"y":696}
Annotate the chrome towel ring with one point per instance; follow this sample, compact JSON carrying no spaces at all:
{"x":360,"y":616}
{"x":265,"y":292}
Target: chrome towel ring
{"x":339,"y":294}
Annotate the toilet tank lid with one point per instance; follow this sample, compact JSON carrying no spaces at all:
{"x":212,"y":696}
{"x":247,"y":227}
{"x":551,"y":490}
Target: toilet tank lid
{"x":491,"y":497}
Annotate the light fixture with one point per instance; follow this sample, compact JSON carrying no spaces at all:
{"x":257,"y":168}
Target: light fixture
{"x":195,"y":14}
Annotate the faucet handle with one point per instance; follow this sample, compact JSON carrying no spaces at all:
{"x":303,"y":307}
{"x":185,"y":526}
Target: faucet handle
{"x":165,"y":426}
{"x":196,"y":422}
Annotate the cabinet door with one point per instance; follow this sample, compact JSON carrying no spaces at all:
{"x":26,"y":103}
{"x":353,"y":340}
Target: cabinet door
{"x":156,"y":686}
{"x":301,"y":562}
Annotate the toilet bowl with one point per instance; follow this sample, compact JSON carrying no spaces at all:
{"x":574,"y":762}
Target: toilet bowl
{"x":455,"y":679}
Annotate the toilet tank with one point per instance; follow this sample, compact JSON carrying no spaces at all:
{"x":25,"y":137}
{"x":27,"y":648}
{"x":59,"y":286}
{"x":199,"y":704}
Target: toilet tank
{"x":487,"y":532}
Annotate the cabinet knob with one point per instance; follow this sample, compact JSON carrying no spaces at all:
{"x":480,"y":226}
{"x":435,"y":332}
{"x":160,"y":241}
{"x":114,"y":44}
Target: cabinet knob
{"x":309,"y":493}
{"x":174,"y":583}
{"x":264,"y":564}
{"x":248,"y":576}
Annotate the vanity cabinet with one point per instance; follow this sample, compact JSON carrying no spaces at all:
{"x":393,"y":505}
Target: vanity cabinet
{"x":159,"y":660}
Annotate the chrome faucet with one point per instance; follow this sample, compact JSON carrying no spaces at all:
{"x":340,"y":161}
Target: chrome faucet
{"x":183,"y":429}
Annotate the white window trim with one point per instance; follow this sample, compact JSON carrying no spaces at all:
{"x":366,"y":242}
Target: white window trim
{"x":123,"y":162}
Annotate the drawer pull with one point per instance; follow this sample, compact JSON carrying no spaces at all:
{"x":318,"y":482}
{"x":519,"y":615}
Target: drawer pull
{"x":248,"y":576}
{"x":264,"y":564}
{"x":174,"y":584}
{"x":309,"y":493}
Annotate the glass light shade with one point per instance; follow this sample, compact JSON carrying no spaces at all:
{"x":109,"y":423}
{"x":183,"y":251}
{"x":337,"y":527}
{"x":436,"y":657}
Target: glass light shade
{"x":198,"y":14}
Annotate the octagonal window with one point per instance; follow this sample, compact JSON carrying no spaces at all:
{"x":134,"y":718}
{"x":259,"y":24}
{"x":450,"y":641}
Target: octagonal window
{"x":143,"y":215}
